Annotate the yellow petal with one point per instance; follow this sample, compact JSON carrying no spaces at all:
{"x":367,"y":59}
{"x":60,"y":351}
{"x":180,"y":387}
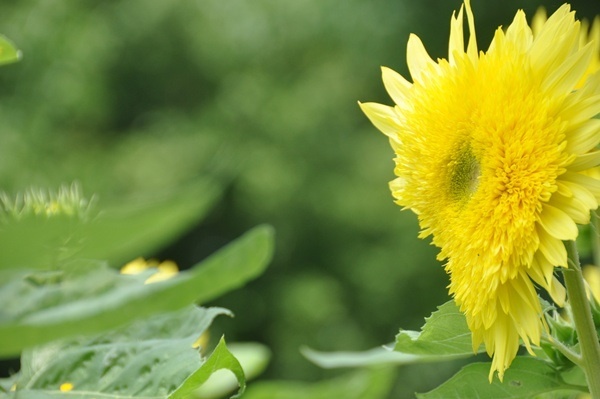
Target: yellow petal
{"x":553,"y":249}
{"x":417,"y":58}
{"x":556,"y":41}
{"x":472,"y":46}
{"x":383,"y":117}
{"x":563,"y":79}
{"x":557,"y":223}
{"x":572,"y":207}
{"x":457,"y":40}
{"x":584,"y":138}
{"x":397,"y":87}
{"x":586,"y":161}
{"x":519,"y":32}
{"x":581,"y":110}
{"x":582,"y":194}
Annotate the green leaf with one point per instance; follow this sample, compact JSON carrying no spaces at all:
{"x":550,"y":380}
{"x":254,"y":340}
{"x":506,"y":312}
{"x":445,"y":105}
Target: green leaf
{"x":526,"y":378}
{"x":445,"y":334}
{"x":8,"y":51}
{"x":153,"y":357}
{"x":372,"y":357}
{"x":117,"y":234}
{"x":221,"y":358}
{"x":43,"y":306}
{"x":253,"y":357}
{"x":125,"y":231}
{"x":373,"y":383}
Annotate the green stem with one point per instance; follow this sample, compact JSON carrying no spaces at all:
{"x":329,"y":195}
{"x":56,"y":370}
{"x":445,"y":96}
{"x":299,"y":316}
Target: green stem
{"x":565,"y":350}
{"x":582,"y":317}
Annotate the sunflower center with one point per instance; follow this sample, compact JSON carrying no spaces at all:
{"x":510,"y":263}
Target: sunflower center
{"x":464,"y":173}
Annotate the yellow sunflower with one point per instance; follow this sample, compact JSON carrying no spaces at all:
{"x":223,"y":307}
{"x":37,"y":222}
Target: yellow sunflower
{"x":492,"y":150}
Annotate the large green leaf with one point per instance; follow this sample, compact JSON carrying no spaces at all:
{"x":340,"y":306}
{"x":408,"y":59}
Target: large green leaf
{"x":42,"y":306}
{"x":526,"y":378}
{"x":153,"y":357}
{"x":445,"y":334}
{"x":117,"y":233}
{"x":373,"y":383}
{"x":8,"y":51}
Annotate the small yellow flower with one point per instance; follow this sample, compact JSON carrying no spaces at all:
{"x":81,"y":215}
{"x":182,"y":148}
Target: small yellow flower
{"x":163,"y":270}
{"x":66,"y":387}
{"x":492,"y":150}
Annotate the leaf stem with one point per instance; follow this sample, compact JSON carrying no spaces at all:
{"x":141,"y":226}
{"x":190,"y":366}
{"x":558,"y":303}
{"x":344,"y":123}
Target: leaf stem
{"x":582,"y":317}
{"x":565,"y":350}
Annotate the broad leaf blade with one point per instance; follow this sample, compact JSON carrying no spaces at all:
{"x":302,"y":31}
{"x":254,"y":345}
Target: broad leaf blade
{"x":445,"y":333}
{"x":40,"y":310}
{"x":149,"y":358}
{"x":526,"y":378}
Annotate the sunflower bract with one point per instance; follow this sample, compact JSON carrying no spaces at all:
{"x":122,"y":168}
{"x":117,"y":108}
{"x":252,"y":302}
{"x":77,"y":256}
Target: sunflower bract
{"x":493,"y":151}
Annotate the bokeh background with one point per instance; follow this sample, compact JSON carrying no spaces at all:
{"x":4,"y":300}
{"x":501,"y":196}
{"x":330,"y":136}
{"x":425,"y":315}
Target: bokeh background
{"x":134,"y":99}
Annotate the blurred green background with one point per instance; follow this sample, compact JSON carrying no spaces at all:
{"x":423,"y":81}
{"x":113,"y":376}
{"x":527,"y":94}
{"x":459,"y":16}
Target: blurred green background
{"x":135,"y":99}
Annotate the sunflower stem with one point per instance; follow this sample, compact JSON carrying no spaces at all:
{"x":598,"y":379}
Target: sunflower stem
{"x":582,"y":317}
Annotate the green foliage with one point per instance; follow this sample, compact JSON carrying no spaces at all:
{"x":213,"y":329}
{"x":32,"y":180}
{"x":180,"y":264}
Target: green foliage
{"x":153,"y":357}
{"x":376,"y":356}
{"x":526,"y":378}
{"x":253,"y":357}
{"x":42,"y":306}
{"x":445,"y":333}
{"x":372,"y":384}
{"x":32,"y":236}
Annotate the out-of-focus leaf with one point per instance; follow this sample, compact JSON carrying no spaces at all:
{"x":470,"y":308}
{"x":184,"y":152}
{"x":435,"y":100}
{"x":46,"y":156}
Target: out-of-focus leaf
{"x":126,"y":231}
{"x":373,"y":383}
{"x":253,"y":357}
{"x":221,"y":358}
{"x":444,"y":334}
{"x":8,"y":51}
{"x":526,"y":378}
{"x":42,"y":306}
{"x":116,"y":234}
{"x":153,"y":357}
{"x":375,"y":356}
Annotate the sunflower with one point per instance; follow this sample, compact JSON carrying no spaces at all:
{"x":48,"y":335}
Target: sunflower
{"x":492,"y":153}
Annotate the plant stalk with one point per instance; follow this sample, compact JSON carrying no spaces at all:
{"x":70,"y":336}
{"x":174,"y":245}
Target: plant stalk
{"x":582,"y":317}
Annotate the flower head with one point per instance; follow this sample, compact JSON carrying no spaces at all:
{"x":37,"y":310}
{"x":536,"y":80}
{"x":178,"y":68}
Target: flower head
{"x":492,"y":150}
